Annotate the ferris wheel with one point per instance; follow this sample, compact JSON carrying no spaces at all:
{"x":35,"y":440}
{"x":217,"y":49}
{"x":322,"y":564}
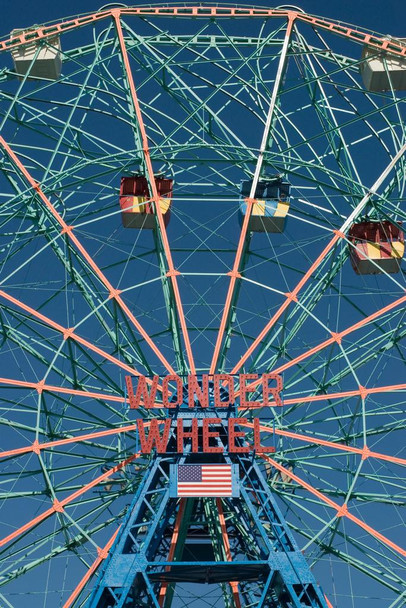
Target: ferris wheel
{"x":208,"y":194}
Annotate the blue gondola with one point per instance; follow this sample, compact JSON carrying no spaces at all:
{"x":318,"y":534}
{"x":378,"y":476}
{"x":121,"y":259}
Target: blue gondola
{"x":271,"y":204}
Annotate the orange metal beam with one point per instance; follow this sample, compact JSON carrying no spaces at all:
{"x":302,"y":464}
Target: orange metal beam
{"x":59,"y":505}
{"x":36,"y":447}
{"x":363,"y":392}
{"x":342,"y":510}
{"x":48,"y":31}
{"x":102,"y":554}
{"x":235,"y":274}
{"x":329,"y":604}
{"x":289,"y":298}
{"x":67,"y":332}
{"x":364,"y":452}
{"x":226,"y":542}
{"x":389,"y":45}
{"x":335,"y":337}
{"x":174,"y":541}
{"x":172,"y":273}
{"x":41,"y":386}
{"x":68,"y":230}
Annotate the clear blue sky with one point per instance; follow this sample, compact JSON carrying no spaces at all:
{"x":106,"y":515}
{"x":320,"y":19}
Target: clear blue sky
{"x":385,"y":17}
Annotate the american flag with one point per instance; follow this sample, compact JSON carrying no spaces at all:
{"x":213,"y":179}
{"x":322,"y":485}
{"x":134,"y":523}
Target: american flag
{"x":205,"y":480}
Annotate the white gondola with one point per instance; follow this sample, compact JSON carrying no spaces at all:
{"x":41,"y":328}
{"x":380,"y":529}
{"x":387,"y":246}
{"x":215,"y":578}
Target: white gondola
{"x":41,"y":58}
{"x":380,"y":70}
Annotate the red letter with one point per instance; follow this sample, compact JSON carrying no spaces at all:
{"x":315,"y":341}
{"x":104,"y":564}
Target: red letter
{"x":148,"y":399}
{"x":267,"y":390}
{"x":154,"y":437}
{"x":165,"y":391}
{"x":202,"y":395}
{"x":232,"y":434}
{"x":130,"y":392}
{"x":245,"y":389}
{"x":207,"y":435}
{"x":193,"y":435}
{"x":257,"y":440}
{"x":220,"y":378}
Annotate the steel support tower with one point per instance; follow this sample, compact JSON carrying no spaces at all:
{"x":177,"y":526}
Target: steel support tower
{"x":241,"y":542}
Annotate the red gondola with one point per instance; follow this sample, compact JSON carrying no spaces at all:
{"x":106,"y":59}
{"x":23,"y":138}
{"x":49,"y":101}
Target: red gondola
{"x":376,"y":247}
{"x":137,"y":211}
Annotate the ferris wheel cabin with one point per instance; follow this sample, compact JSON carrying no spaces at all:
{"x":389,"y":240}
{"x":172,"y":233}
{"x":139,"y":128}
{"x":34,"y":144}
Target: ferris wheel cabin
{"x":137,"y":210}
{"x":37,"y":58}
{"x":271,"y":204}
{"x":381,"y":72}
{"x":376,"y":247}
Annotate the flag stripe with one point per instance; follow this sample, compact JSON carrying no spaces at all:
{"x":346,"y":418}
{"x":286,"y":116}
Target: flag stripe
{"x":192,"y":485}
{"x":205,"y":490}
{"x":199,"y":488}
{"x":206,"y":495}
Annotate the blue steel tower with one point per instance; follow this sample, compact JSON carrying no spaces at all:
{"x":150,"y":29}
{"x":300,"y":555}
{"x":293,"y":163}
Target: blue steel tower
{"x":236,"y":538}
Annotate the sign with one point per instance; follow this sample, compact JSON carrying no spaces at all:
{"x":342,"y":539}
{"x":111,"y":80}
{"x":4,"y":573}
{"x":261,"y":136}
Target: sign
{"x":201,"y":431}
